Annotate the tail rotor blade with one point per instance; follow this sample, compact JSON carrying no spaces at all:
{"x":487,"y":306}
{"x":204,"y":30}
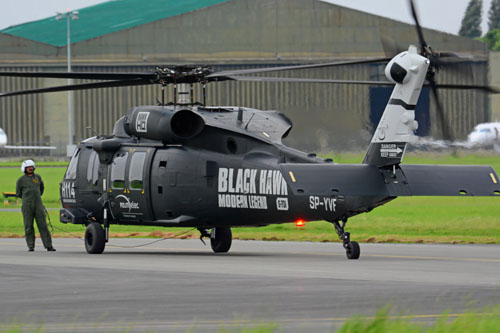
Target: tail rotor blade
{"x":390,"y":46}
{"x":423,"y":44}
{"x":442,"y":119}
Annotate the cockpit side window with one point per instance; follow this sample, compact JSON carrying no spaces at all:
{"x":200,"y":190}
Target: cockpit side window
{"x":93,"y":169}
{"x":71,"y":171}
{"x":118,"y":171}
{"x":136,"y":170}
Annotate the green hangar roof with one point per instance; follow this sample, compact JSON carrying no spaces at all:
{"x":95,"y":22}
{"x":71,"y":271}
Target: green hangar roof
{"x":101,"y":19}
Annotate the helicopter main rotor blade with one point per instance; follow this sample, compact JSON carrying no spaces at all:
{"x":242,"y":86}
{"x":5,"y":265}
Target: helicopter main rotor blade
{"x":83,"y":75}
{"x":287,"y":68}
{"x":305,"y":80}
{"x":487,"y":89}
{"x":166,"y":75}
{"x":83,"y":86}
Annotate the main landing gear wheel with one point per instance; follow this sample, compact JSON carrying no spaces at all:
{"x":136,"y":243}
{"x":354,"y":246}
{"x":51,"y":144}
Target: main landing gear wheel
{"x":352,"y":249}
{"x":221,"y":239}
{"x":95,"y":238}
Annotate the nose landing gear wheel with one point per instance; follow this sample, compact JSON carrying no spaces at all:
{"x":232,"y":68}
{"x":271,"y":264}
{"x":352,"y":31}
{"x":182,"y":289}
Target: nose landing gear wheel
{"x":221,"y":239}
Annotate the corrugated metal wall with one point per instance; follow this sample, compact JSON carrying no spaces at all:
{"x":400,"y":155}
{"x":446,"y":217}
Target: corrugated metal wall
{"x":22,"y":117}
{"x":316,"y":109}
{"x":463,"y":108}
{"x":327,"y":117}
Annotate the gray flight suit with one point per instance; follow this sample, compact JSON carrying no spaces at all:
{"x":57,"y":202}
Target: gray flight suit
{"x":30,"y":189}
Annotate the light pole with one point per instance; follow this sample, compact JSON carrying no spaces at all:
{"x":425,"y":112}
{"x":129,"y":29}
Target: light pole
{"x":70,"y":15}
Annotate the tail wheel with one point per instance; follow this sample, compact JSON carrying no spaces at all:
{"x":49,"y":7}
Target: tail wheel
{"x":221,"y":239}
{"x":352,"y":250}
{"x":95,"y":238}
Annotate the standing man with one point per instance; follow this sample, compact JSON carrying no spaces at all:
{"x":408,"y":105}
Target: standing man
{"x":30,"y":188}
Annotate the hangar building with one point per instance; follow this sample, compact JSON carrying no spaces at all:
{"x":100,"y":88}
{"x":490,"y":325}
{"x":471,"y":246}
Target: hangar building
{"x":136,"y":35}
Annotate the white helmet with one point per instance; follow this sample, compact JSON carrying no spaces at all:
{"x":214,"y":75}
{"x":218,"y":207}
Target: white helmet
{"x":27,"y":163}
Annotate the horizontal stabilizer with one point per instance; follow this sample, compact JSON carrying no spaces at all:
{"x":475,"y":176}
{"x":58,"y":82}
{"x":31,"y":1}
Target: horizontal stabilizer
{"x":402,"y":180}
{"x":451,"y":180}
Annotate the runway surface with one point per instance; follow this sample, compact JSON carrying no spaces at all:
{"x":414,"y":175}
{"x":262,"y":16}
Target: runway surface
{"x":180,"y":285}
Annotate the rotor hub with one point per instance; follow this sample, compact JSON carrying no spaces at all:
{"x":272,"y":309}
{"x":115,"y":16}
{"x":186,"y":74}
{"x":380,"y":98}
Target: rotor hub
{"x":182,"y":74}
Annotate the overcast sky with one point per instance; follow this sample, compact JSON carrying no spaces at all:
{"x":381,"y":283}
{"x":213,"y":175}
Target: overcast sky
{"x":443,"y":15}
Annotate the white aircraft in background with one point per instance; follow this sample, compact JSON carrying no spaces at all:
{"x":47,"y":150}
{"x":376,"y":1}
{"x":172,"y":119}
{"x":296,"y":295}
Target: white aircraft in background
{"x":3,"y":143}
{"x":485,"y":134}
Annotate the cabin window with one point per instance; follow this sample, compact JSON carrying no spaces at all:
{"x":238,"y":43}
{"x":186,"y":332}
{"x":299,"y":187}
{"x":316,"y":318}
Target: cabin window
{"x":136,"y":170}
{"x":93,"y":169}
{"x":71,"y":172}
{"x":118,"y":171}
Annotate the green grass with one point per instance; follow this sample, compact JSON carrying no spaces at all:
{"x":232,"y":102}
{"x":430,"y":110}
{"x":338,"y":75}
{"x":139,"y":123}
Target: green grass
{"x":486,"y":320}
{"x":48,"y":163}
{"x":51,"y":176}
{"x":406,"y":219}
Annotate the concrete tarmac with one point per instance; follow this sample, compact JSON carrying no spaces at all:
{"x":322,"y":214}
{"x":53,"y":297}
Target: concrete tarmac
{"x":179,"y":285}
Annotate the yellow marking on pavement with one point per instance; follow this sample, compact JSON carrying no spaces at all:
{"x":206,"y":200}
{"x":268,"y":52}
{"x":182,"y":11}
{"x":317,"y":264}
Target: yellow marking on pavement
{"x":404,"y":257}
{"x":41,"y":249}
{"x":341,"y":254}
{"x":431,"y":258}
{"x":292,"y":176}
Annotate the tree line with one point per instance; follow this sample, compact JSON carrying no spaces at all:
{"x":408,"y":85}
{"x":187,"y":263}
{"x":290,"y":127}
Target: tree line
{"x":471,"y":23}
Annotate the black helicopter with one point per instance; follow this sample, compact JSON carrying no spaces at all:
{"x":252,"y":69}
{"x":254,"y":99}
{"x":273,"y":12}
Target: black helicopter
{"x":190,"y":165}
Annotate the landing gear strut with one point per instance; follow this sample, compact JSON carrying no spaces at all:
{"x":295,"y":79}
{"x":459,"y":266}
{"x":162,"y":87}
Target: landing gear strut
{"x":351,"y":247}
{"x":220,"y":238}
{"x":204,"y":233}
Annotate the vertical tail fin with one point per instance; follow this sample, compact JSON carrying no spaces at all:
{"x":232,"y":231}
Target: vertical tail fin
{"x":407,"y":70}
